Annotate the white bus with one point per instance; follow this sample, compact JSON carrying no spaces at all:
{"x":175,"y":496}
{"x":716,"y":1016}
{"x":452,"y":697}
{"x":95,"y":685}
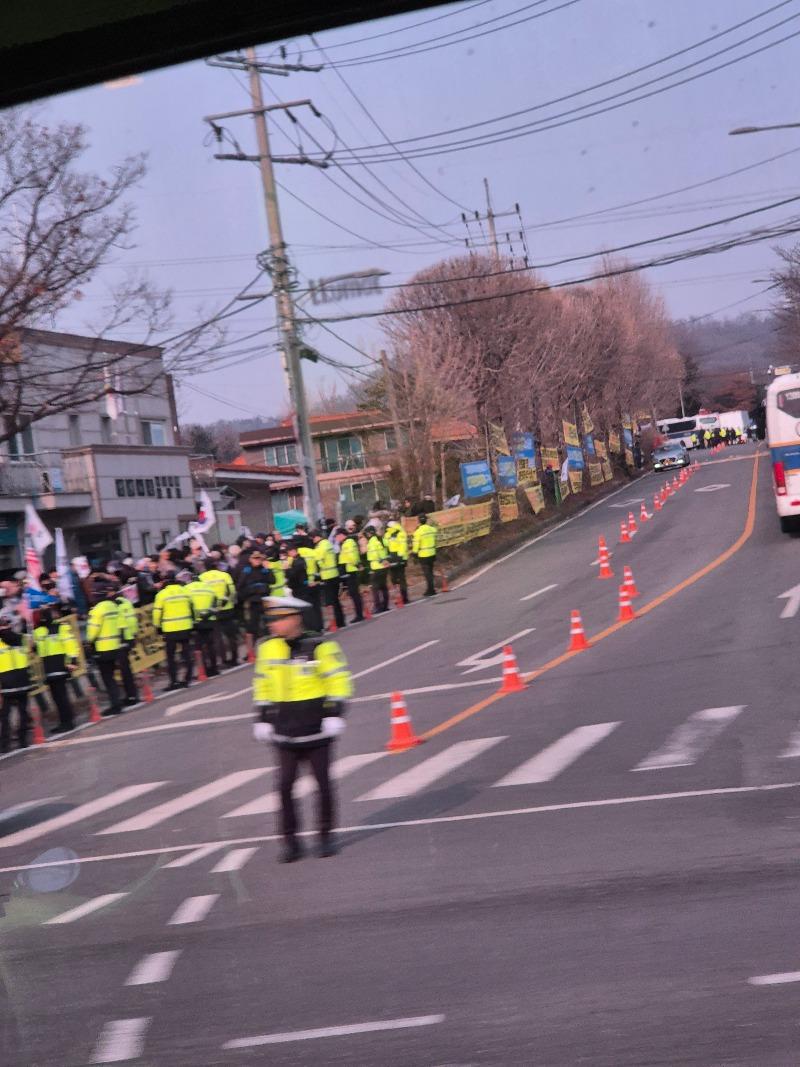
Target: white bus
{"x":783,"y":437}
{"x":682,"y":429}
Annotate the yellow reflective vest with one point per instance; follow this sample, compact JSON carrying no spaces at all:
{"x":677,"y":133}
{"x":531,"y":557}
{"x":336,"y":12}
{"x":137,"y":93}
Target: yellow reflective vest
{"x":350,"y":555}
{"x":54,"y":649}
{"x":326,"y":560}
{"x":310,"y":559}
{"x":129,"y":623}
{"x":424,"y":543}
{"x":279,"y":572}
{"x":376,"y":553}
{"x":223,"y":586}
{"x":396,"y":541}
{"x":279,"y":679}
{"x":14,"y":676}
{"x":172,"y":610}
{"x":204,"y":603}
{"x":104,"y":627}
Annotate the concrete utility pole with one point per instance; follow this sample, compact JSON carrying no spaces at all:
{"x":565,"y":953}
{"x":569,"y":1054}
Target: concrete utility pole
{"x":490,"y":219}
{"x":510,"y":237}
{"x":312,"y":501}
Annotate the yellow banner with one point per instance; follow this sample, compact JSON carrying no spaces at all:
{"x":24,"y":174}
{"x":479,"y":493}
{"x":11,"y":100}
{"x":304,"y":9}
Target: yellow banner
{"x":588,"y":425}
{"x":570,"y":433}
{"x":535,"y":498}
{"x":576,"y":481}
{"x":601,"y":450}
{"x":507,"y":503}
{"x":595,"y":474}
{"x":627,"y":424}
{"x":608,"y":473}
{"x":148,"y":648}
{"x":614,"y":443}
{"x":526,"y":472}
{"x":550,"y":458}
{"x":457,"y":525}
{"x":564,"y":489}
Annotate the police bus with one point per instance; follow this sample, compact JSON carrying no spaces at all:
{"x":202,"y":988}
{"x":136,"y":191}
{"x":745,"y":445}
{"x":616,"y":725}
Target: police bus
{"x":782,"y":404}
{"x":682,"y":429}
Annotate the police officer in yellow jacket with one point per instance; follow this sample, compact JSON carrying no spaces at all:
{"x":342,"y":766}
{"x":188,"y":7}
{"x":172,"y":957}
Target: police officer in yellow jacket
{"x":15,"y":682}
{"x":58,"y":651}
{"x":104,"y":634}
{"x":396,"y":541}
{"x":129,"y":624}
{"x":299,"y":688}
{"x":173,"y":615}
{"x":350,"y":565}
{"x":424,"y":548}
{"x":204,"y":605}
{"x":377,"y":563}
{"x":328,"y":567}
{"x":227,"y":628}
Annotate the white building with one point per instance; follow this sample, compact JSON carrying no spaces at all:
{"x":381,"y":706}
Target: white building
{"x":108,"y":472}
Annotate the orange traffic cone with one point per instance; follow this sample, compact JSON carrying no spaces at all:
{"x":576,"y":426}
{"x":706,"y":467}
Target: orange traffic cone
{"x":37,"y":733}
{"x":94,"y":707}
{"x":629,"y":583}
{"x":643,"y":516}
{"x":577,"y":636}
{"x":402,"y":734}
{"x":631,"y":523}
{"x":626,"y":612}
{"x":147,"y":691}
{"x":512,"y":679}
{"x":445,"y":587}
{"x":398,"y":599}
{"x":656,"y":502}
{"x":251,"y":655}
{"x":624,"y":537}
{"x":605,"y":566}
{"x":675,"y":483}
{"x":601,"y":544}
{"x":201,"y":667}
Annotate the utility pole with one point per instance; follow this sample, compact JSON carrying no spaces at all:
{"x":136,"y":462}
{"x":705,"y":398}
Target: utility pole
{"x":490,"y":219}
{"x":511,"y":237}
{"x":279,"y":268}
{"x":680,"y":393}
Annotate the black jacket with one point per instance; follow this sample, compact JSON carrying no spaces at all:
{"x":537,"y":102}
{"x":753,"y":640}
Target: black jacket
{"x":254,"y":583}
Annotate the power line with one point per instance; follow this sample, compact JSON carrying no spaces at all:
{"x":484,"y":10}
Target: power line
{"x":410,"y":26}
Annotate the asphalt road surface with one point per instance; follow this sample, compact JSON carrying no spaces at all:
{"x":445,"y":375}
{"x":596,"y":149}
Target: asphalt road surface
{"x":600,"y":870}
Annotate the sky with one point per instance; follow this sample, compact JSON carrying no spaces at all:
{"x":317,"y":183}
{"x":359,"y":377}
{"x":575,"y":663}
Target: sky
{"x":575,"y":176}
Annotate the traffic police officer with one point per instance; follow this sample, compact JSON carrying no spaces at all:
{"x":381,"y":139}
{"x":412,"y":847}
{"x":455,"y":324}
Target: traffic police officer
{"x":104,"y":634}
{"x":424,"y":548}
{"x":299,"y":688}
{"x":377,"y":562}
{"x":173,"y":615}
{"x":129,"y":625}
{"x":57,"y":648}
{"x":15,"y":680}
{"x":396,"y":541}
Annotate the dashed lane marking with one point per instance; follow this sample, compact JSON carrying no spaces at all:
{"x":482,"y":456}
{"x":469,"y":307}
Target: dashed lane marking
{"x":394,"y":659}
{"x":783,"y":978}
{"x":193,"y":909}
{"x":217,"y":698}
{"x":334,"y":1031}
{"x":154,"y":968}
{"x":120,"y":1041}
{"x":539,"y":592}
{"x":87,"y":908}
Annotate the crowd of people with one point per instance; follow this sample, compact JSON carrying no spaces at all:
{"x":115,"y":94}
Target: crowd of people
{"x":206,"y":603}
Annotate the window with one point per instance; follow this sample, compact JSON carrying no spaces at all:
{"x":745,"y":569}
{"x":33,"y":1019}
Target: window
{"x":140,"y":486}
{"x":153,"y":432}
{"x":120,"y":487}
{"x":105,"y":429}
{"x":343,"y":454}
{"x":390,"y":439}
{"x":789,"y":402}
{"x":130,"y":486}
{"x":280,"y":455}
{"x":286,"y":500}
{"x":150,"y":487}
{"x":146,"y":543}
{"x":74,"y":430}
{"x":21,"y":444}
{"x":178,"y":488}
{"x":166,"y":537}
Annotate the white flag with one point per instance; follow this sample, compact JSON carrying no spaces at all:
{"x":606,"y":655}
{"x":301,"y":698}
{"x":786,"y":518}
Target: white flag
{"x":206,"y":517}
{"x":62,"y":566}
{"x":36,"y":530}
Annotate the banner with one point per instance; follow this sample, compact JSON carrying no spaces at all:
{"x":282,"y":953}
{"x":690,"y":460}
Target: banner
{"x":570,"y":433}
{"x":64,"y":583}
{"x":614,"y":444}
{"x":576,"y":481}
{"x":588,"y":425}
{"x":506,"y":472}
{"x":608,"y":473}
{"x":595,"y":474}
{"x":574,"y":458}
{"x":535,"y":498}
{"x":627,"y":423}
{"x":148,"y":648}
{"x":563,"y":488}
{"x":527,"y":473}
{"x":476,"y":479}
{"x":524,"y":445}
{"x":457,"y":525}
{"x":588,"y":444}
{"x":507,"y":503}
{"x":498,"y":440}
{"x":629,"y":458}
{"x":601,"y":450}
{"x":550,"y":458}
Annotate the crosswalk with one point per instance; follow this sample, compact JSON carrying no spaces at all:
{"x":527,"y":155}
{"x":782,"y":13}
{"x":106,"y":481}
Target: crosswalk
{"x":496,"y":762}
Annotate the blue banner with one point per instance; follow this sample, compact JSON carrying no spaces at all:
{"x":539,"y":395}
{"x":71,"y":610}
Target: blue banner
{"x":574,"y":458}
{"x":627,"y":436}
{"x":476,"y":477}
{"x":506,"y":472}
{"x":524,"y":445}
{"x":588,"y":444}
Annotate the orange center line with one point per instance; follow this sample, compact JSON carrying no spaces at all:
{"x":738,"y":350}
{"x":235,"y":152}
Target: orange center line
{"x":746,"y":533}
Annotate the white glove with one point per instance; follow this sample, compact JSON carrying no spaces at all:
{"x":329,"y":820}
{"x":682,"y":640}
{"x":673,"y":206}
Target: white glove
{"x":333,"y":726}
{"x":263,"y":731}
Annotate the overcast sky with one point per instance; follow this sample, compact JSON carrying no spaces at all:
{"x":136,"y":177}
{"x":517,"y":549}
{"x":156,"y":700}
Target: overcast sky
{"x":201,"y":221}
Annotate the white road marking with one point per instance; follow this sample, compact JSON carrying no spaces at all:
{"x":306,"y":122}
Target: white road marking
{"x":792,"y":598}
{"x":306,"y":785}
{"x":193,"y":909}
{"x":685,"y":744}
{"x":234,"y":860}
{"x":176,"y":709}
{"x":551,"y":761}
{"x":394,"y":659}
{"x":712,"y":488}
{"x":83,"y":811}
{"x":89,"y":906}
{"x":628,"y":503}
{"x":28,"y":805}
{"x":120,"y":1041}
{"x":775,"y":979}
{"x":539,"y":592}
{"x":443,"y":688}
{"x":153,"y":816}
{"x":195,"y":856}
{"x":157,"y":967}
{"x":430,"y":770}
{"x":534,"y":540}
{"x":151,"y":729}
{"x":477,"y":662}
{"x":333,"y":1031}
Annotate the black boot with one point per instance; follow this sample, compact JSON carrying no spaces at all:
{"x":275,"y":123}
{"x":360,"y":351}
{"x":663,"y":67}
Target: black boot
{"x":291,"y":851}
{"x":327,"y":846}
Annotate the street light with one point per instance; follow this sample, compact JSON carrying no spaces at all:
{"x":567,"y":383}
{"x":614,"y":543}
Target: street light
{"x":762,"y":129}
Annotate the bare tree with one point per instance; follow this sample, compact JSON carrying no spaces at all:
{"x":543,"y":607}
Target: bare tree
{"x":787,"y":312}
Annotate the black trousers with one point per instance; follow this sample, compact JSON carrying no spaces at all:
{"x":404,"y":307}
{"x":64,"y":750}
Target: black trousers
{"x":60,"y":694}
{"x":354,"y":592}
{"x":173,"y":642}
{"x":128,"y":681}
{"x":254,"y":622}
{"x":427,"y":565}
{"x":227,"y":636}
{"x":380,"y":590}
{"x":206,"y":642}
{"x":20,"y":701}
{"x":107,"y":668}
{"x":397,"y":572}
{"x":331,"y":592}
{"x":319,"y":758}
{"x":313,"y":616}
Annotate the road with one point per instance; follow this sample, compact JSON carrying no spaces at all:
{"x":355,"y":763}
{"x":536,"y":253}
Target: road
{"x":600,"y":869}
